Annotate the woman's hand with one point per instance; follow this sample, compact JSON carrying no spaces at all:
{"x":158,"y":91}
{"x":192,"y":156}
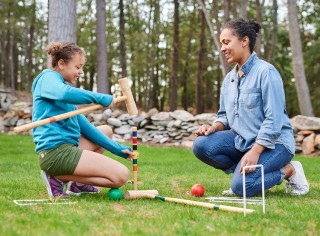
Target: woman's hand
{"x":205,"y":130}
{"x":251,"y":158}
{"x":130,"y":154}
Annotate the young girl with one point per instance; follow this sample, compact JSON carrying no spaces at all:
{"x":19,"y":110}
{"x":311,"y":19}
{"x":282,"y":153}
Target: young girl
{"x":252,"y":125}
{"x":71,"y":149}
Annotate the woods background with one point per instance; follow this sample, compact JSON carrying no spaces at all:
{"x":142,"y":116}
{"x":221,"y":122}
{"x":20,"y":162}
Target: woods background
{"x":167,"y":48}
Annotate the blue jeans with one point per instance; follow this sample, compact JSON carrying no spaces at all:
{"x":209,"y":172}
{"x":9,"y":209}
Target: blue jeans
{"x":218,"y":150}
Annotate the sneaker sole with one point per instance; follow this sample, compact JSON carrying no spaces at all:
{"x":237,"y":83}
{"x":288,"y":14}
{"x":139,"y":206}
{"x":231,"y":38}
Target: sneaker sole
{"x":45,"y":180}
{"x":78,"y":194}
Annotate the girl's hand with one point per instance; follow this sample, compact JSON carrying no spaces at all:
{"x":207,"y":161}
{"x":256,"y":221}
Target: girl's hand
{"x":130,"y":154}
{"x":205,"y":130}
{"x":112,"y":102}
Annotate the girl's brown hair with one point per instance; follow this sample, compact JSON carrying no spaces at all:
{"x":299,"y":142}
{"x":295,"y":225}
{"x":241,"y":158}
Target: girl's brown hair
{"x":62,"y":51}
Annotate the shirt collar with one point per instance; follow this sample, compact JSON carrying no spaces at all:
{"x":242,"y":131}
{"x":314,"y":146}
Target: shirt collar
{"x":246,"y":67}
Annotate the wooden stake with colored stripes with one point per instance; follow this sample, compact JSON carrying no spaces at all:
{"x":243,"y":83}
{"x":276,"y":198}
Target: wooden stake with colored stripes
{"x":135,"y":157}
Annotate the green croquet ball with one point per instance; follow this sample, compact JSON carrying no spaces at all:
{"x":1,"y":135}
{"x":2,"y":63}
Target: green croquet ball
{"x":115,"y":194}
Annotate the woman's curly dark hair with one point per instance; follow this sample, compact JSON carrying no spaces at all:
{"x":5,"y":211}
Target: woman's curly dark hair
{"x":243,"y":28}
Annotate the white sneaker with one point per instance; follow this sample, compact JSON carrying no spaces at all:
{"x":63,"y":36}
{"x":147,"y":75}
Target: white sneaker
{"x":228,"y":192}
{"x":297,"y":184}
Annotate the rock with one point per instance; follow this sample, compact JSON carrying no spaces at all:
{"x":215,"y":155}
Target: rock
{"x":182,"y":115}
{"x":152,"y":112}
{"x":152,"y":127}
{"x":299,"y":138}
{"x":305,"y":123}
{"x":161,"y":116}
{"x":192,"y":129}
{"x":19,"y":106}
{"x":187,"y":144}
{"x":20,"y":122}
{"x":125,"y":129}
{"x":163,"y":140}
{"x":5,"y":102}
{"x":114,"y":122}
{"x":143,"y":123}
{"x":317,"y":141}
{"x":308,"y":144}
{"x":107,"y":114}
{"x":124,"y":117}
{"x":116,"y":113}
{"x":177,"y":123}
{"x":305,"y":132}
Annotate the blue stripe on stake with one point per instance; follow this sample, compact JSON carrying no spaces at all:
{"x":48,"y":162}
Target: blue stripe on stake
{"x":134,"y":133}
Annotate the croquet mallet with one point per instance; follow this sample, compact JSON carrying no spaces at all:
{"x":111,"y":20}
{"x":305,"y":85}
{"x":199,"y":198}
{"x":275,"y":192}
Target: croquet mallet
{"x":131,"y":194}
{"x":127,"y":98}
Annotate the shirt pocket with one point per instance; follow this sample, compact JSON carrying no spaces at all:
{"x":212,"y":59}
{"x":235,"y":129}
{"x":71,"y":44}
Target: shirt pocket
{"x":250,"y":98}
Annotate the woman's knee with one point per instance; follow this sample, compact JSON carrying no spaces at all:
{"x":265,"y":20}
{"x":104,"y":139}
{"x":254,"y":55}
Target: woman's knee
{"x":237,"y":186}
{"x":199,"y":147}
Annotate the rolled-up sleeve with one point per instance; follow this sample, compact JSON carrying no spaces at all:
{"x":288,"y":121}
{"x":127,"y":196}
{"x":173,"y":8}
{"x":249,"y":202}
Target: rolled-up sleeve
{"x":273,"y":98}
{"x":222,"y":115}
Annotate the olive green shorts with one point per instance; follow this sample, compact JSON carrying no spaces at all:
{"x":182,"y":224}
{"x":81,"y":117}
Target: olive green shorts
{"x":61,"y":160}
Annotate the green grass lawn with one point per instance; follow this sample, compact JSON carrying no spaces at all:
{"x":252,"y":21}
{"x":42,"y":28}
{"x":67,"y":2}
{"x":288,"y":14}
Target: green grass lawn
{"x":172,"y":171}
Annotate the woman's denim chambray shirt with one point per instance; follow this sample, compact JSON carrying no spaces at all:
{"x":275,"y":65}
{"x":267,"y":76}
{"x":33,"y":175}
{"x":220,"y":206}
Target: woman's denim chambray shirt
{"x":254,"y":106}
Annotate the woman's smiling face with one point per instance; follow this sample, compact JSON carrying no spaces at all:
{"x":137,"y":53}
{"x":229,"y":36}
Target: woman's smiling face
{"x":234,"y":49}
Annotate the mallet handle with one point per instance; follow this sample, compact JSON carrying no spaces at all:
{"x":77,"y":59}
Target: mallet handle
{"x":202,"y":204}
{"x":63,"y":116}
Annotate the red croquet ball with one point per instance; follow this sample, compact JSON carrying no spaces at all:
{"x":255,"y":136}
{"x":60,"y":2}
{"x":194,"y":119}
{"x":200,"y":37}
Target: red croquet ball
{"x":197,"y":190}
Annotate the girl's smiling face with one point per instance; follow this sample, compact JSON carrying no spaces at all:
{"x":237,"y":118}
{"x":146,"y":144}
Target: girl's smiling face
{"x":72,"y":70}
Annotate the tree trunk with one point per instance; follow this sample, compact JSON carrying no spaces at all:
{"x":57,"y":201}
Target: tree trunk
{"x":62,"y":21}
{"x":259,"y":7}
{"x":185,"y":99}
{"x":244,"y":9}
{"x":226,"y":10}
{"x":123,"y":55}
{"x":202,"y":37}
{"x":223,"y":63}
{"x":102,"y":64}
{"x":297,"y":61}
{"x":155,"y":88}
{"x":145,"y":90}
{"x":274,"y":37}
{"x":175,"y":59}
{"x":30,"y":48}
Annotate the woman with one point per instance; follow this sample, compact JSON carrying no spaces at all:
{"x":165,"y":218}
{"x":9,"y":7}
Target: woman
{"x":252,"y":125}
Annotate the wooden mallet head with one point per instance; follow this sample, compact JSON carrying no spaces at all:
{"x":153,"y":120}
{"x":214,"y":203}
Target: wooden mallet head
{"x":127,"y":97}
{"x":136,"y":194}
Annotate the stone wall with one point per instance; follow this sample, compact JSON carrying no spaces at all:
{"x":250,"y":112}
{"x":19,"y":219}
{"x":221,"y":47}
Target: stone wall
{"x":164,"y":128}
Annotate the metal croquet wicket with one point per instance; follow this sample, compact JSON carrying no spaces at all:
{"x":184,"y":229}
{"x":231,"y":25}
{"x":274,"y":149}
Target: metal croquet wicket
{"x":244,"y":187}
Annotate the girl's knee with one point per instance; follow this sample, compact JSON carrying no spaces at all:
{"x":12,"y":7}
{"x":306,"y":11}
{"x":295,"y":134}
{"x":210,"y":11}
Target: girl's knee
{"x":106,"y":130}
{"x":122,"y":178}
